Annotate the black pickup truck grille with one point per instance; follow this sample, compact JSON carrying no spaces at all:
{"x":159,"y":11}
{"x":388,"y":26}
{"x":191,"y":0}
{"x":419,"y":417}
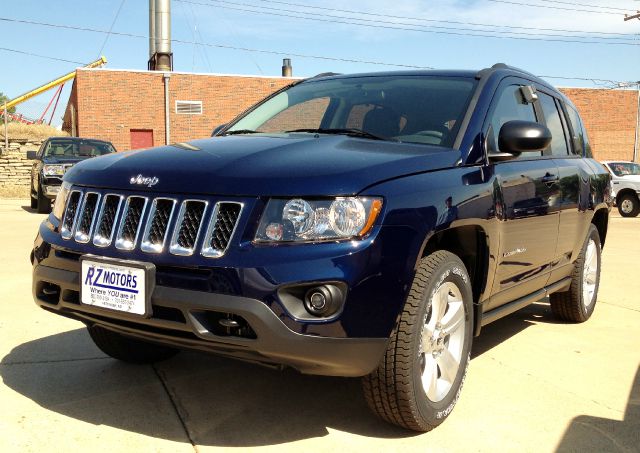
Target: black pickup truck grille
{"x":149,"y":223}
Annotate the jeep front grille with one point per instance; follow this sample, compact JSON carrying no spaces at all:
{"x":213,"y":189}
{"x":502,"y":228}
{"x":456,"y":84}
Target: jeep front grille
{"x":70,"y":215}
{"x":87,"y":217}
{"x":221,"y":228}
{"x":107,"y":220}
{"x":155,"y":233}
{"x":189,"y":221}
{"x":151,"y":223}
{"x":130,"y":223}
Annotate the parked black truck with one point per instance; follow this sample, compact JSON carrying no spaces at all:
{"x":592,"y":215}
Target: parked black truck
{"x":348,"y":225}
{"x":55,"y":156}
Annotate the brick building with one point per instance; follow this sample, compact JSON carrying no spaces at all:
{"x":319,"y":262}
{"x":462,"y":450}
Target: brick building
{"x":128,"y":108}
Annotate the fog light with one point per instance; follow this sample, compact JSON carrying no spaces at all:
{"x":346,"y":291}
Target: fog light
{"x":318,"y":301}
{"x":323,"y":301}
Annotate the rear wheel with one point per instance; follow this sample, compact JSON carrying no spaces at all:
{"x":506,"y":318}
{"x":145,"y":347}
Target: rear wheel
{"x":577,"y":304}
{"x":129,"y":349}
{"x":44,"y":204}
{"x":419,"y":379}
{"x":628,"y":205}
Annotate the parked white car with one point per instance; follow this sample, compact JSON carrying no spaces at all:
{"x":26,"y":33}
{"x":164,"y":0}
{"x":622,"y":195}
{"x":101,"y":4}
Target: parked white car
{"x":626,"y":186}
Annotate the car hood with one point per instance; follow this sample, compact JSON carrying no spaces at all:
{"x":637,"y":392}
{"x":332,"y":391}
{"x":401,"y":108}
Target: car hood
{"x":267,"y":165}
{"x":62,"y":160}
{"x":632,"y":179}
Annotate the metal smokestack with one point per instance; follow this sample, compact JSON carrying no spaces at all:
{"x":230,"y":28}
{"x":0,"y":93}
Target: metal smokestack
{"x":160,"y":22}
{"x":287,"y":70}
{"x":152,"y":29}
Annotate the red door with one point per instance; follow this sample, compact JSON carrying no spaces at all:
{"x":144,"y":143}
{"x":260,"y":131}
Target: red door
{"x":141,"y":138}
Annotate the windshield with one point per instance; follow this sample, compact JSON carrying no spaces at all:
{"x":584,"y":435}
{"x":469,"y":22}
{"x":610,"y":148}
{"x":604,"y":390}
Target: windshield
{"x":75,"y":148}
{"x":413,"y":109}
{"x":624,"y":168}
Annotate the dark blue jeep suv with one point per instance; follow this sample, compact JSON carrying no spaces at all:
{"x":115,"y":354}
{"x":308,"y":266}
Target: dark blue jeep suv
{"x":348,"y":225}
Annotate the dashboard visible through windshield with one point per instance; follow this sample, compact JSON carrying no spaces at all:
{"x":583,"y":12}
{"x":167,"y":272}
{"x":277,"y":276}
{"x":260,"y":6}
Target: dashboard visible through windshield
{"x":412,"y":109}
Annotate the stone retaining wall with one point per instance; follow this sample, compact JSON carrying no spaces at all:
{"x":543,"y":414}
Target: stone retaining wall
{"x":15,"y":168}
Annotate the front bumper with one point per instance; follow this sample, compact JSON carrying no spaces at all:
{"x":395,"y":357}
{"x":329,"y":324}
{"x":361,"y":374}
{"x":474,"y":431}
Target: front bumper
{"x":50,"y":191}
{"x":190,"y":319}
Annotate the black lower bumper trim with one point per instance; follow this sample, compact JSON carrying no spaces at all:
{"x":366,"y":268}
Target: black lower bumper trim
{"x":274,"y":343}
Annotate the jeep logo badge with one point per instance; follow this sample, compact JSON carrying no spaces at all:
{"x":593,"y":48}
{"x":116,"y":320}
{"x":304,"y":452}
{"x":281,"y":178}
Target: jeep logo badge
{"x":140,"y":180}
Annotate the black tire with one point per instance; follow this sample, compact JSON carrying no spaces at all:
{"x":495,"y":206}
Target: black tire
{"x":573,"y":305}
{"x":44,"y":203}
{"x":395,"y":390}
{"x":128,"y":349}
{"x":628,"y":205}
{"x":34,"y":201}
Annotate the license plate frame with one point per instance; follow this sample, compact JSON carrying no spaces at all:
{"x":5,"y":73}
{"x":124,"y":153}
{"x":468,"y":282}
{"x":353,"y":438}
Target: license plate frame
{"x":139,"y":307}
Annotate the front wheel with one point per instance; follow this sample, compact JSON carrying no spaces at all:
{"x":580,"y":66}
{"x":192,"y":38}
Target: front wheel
{"x":44,"y":204}
{"x":628,"y":205}
{"x":419,"y":379}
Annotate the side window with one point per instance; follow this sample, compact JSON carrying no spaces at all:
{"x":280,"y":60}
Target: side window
{"x":510,"y":106}
{"x":579,"y":137}
{"x":41,"y":150}
{"x":554,"y":123}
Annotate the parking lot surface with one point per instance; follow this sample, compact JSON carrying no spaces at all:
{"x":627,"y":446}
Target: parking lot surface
{"x":534,"y":384}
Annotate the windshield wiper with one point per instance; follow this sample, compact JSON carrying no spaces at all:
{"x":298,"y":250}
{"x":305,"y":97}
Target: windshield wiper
{"x":240,"y":132}
{"x":344,"y":131}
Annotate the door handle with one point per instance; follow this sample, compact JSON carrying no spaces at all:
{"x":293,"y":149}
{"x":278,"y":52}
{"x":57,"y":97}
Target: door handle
{"x":550,"y":179}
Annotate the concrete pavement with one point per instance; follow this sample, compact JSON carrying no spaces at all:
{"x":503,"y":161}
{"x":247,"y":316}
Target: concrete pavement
{"x":533,"y":385}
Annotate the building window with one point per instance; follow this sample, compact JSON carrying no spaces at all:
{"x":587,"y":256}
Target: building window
{"x":189,"y":107}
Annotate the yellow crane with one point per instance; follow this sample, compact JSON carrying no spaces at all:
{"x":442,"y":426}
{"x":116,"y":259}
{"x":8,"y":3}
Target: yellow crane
{"x":47,"y":86}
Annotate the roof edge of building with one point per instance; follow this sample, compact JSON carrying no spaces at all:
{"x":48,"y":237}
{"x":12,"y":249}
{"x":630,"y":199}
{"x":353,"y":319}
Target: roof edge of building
{"x":214,"y":74}
{"x":596,"y":88}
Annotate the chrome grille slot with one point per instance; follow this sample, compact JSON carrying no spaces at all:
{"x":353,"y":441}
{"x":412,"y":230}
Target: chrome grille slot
{"x":156,"y":230}
{"x":130,"y":223}
{"x":221,"y":228}
{"x":188,"y":225}
{"x":70,"y":215}
{"x":107,"y":220}
{"x":87,"y":217}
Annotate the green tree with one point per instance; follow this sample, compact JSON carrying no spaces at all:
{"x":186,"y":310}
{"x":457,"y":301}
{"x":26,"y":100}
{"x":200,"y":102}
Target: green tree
{"x":4,"y":98}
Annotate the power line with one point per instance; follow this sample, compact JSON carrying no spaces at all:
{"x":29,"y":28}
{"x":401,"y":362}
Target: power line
{"x":219,"y":46}
{"x":562,"y":8}
{"x":47,"y":57}
{"x":246,"y":49}
{"x":422,"y":19}
{"x":482,"y":34}
{"x":588,"y":5}
{"x":106,"y":38}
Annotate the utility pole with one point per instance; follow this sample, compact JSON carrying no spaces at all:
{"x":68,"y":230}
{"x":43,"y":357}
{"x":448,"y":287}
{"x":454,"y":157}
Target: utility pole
{"x":634,"y":16}
{"x":635,"y":143}
{"x":6,"y":135}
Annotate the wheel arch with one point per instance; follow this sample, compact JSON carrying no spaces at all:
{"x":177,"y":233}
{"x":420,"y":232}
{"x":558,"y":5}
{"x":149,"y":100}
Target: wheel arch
{"x":625,"y":191}
{"x":470,"y":243}
{"x":601,"y":221}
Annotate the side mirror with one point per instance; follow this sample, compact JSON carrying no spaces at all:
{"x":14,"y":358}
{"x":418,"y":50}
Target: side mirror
{"x":217,"y":129}
{"x":32,"y":155}
{"x":517,"y":137}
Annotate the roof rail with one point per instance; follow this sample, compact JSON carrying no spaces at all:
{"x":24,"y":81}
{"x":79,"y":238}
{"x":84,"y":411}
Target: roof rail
{"x":486,"y":71}
{"x":324,"y":74}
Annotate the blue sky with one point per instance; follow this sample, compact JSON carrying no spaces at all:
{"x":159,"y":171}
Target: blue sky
{"x":398,"y":32}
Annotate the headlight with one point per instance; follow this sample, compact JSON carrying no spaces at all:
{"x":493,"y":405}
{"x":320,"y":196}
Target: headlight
{"x":53,"y":170}
{"x":317,"y":220}
{"x":61,"y":200}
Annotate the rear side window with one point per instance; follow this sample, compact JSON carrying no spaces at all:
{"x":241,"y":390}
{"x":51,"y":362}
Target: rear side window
{"x":579,"y":135}
{"x":510,"y":106}
{"x":554,"y":123}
